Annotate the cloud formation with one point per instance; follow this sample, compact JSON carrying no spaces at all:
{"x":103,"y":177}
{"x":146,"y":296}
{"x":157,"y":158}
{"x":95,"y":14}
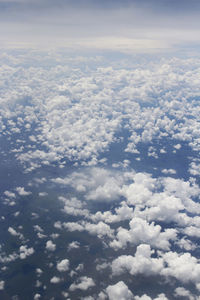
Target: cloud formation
{"x":124,"y":26}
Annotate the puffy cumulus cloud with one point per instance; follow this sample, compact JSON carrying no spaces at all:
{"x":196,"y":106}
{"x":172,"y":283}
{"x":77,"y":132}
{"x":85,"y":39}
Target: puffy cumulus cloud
{"x":100,"y":229}
{"x":123,"y":212}
{"x":55,"y":280}
{"x":141,"y":263}
{"x":194,"y":168}
{"x":74,"y":207}
{"x":146,"y":201}
{"x":24,"y":252}
{"x":176,"y":194}
{"x":180,"y":265}
{"x":84,"y":283}
{"x":162,"y":207}
{"x":184,"y":190}
{"x":138,"y":192}
{"x":73,"y":245}
{"x":21,"y":191}
{"x":63,"y":265}
{"x":168,"y":264}
{"x":186,"y":244}
{"x":164,"y":200}
{"x":97,"y":184}
{"x":79,"y":115}
{"x":4,"y":258}
{"x":119,"y":291}
{"x":50,"y":246}
{"x":192,"y":231}
{"x":142,"y":232}
{"x":169,"y":171}
{"x":182,"y":292}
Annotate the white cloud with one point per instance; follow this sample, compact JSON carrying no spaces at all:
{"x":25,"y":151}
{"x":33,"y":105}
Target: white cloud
{"x":98,"y":184}
{"x":195,"y":168}
{"x":143,"y":232}
{"x":73,"y":245}
{"x":84,"y":283}
{"x":43,"y":194}
{"x":169,"y":171}
{"x":10,"y":194}
{"x":145,"y":297}
{"x":100,"y":229}
{"x":55,"y":280}
{"x":182,"y":292}
{"x":177,"y":146}
{"x":12,"y":231}
{"x":25,"y":251}
{"x":180,"y":265}
{"x":50,"y":246}
{"x":21,"y":191}
{"x":37,"y":296}
{"x":123,"y":212}
{"x":63,"y":265}
{"x":2,"y":283}
{"x":141,"y":263}
{"x":119,"y":291}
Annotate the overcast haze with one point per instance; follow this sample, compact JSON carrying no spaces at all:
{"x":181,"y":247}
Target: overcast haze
{"x":127,"y":26}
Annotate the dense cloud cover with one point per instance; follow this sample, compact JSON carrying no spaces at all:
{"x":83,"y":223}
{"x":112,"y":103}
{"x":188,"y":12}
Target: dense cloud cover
{"x":100,"y":177}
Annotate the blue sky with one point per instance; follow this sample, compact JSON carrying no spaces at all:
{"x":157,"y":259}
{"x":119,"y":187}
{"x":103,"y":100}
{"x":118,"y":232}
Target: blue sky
{"x":125,"y":26}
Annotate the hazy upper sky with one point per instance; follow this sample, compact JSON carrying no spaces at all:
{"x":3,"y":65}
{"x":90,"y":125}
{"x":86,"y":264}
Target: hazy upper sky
{"x":124,"y":25}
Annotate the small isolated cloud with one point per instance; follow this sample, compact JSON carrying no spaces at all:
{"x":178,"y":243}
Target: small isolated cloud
{"x":9,"y":194}
{"x":2,"y":284}
{"x":43,"y":194}
{"x":177,"y":146}
{"x":25,"y":251}
{"x":55,"y":280}
{"x":63,"y":265}
{"x":12,"y":231}
{"x":73,"y":245}
{"x":50,"y":246}
{"x":169,"y":171}
{"x":21,"y":191}
{"x":37,"y":296}
{"x":83,"y":283}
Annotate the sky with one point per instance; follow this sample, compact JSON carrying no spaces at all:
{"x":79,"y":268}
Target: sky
{"x":125,"y":26}
{"x":100,"y":150}
{"x":99,"y":177}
